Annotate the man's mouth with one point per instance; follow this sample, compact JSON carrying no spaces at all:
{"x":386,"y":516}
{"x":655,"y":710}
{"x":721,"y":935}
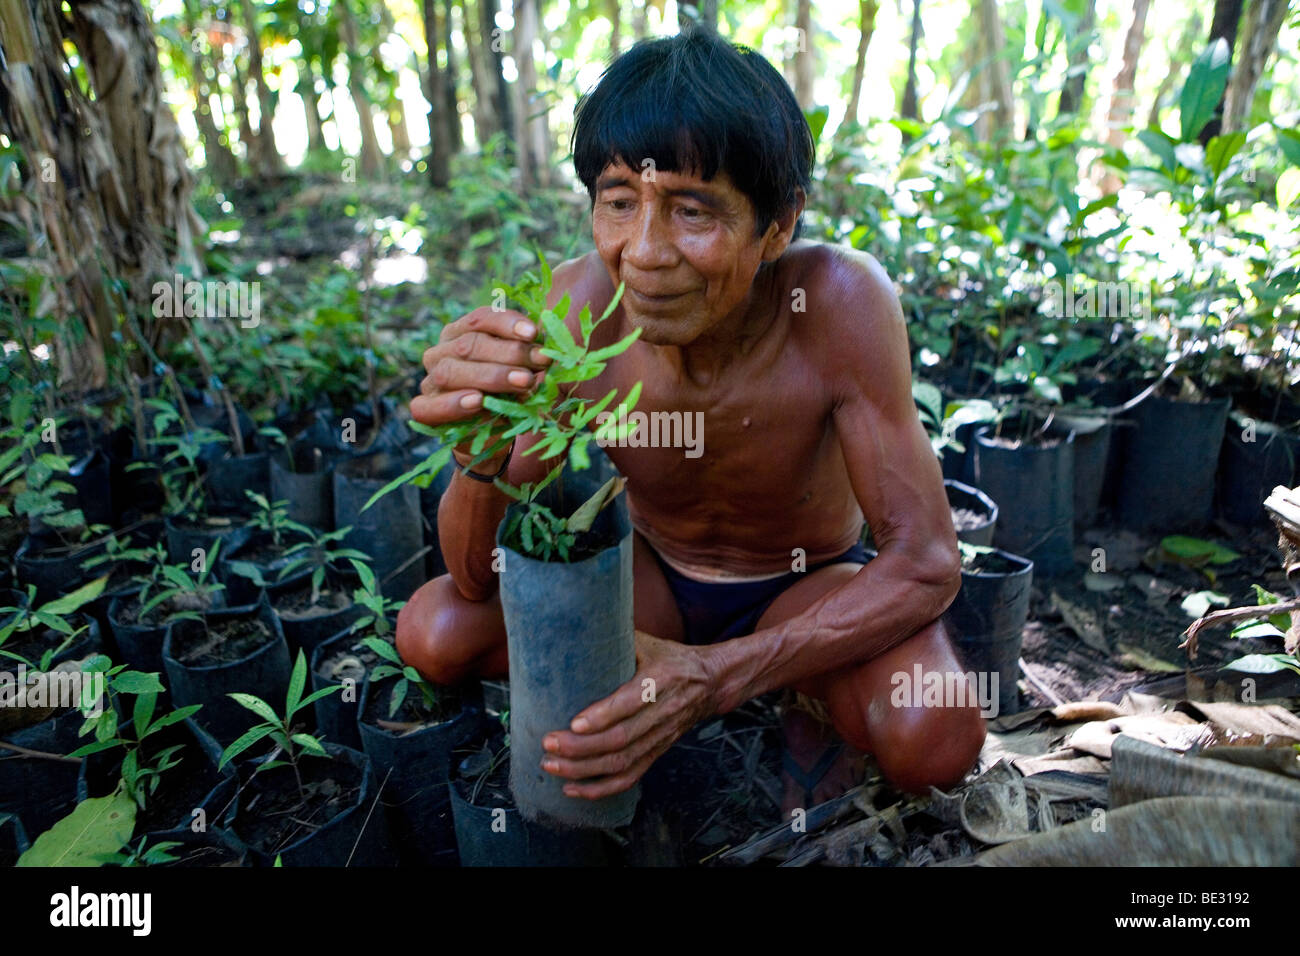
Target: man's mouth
{"x":653,"y":299}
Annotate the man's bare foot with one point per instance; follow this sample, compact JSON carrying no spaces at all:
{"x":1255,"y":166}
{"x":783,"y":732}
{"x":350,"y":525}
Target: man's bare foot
{"x":808,"y":743}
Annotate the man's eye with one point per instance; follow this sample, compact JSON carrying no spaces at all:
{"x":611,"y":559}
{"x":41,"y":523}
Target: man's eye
{"x":619,"y":205}
{"x":690,"y":212}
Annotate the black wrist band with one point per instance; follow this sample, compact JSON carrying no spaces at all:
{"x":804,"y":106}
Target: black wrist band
{"x":490,"y":479}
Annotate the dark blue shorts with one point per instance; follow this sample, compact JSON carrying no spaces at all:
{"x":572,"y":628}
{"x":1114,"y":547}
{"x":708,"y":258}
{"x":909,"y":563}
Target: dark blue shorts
{"x":718,"y":611}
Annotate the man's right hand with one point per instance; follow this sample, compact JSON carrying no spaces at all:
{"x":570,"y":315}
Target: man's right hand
{"x":484,"y":351}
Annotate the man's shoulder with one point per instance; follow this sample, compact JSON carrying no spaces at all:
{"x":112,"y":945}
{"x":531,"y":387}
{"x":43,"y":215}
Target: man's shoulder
{"x":847,"y":295}
{"x":833,"y":272}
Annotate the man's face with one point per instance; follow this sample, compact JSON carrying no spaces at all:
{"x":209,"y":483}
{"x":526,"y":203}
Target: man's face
{"x":684,"y":247}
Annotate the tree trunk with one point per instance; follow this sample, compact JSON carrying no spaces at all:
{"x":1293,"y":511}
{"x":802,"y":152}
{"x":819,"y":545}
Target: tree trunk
{"x":220,"y":160}
{"x":311,"y":104}
{"x":493,"y":41}
{"x":1071,"y":98}
{"x":272,"y":164}
{"x":486,"y":122}
{"x":641,"y":21}
{"x":239,"y":95}
{"x":1120,"y":109}
{"x":1227,"y":14}
{"x":1263,"y":23}
{"x":803,"y":58}
{"x":911,"y":103}
{"x":615,"y":28}
{"x":372,"y":158}
{"x":435,"y":93}
{"x":995,"y":77}
{"x":532,"y":133}
{"x":867,"y":10}
{"x":105,"y":202}
{"x":455,"y":137}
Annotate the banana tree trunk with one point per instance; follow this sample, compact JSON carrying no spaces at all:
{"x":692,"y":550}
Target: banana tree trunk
{"x":105,"y":198}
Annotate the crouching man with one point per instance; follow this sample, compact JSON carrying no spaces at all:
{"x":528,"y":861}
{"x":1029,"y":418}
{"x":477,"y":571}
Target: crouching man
{"x":793,"y":358}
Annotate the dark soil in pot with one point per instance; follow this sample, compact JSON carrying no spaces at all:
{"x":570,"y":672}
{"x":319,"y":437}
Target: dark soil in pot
{"x":307,"y":622}
{"x":411,"y":749}
{"x":321,"y":825}
{"x":261,"y":551}
{"x":139,"y":641}
{"x":209,"y":848}
{"x":30,"y":645}
{"x":238,"y":650}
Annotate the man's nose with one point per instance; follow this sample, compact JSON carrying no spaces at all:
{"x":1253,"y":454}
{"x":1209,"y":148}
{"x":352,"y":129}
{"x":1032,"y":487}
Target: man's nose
{"x":649,"y":246}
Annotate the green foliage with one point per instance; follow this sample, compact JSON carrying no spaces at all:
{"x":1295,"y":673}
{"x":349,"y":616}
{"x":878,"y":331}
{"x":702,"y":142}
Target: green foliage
{"x":550,"y":412}
{"x":279,"y":726}
{"x":95,"y":831}
{"x":53,"y":615}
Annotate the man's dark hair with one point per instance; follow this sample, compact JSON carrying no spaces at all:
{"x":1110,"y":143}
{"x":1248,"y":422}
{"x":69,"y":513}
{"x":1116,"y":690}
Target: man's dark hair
{"x":697,"y":103}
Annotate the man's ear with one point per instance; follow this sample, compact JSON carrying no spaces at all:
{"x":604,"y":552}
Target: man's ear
{"x":781,"y":230}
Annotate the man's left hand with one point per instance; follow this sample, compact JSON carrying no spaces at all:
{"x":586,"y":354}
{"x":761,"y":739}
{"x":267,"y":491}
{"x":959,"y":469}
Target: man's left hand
{"x":618,"y":738}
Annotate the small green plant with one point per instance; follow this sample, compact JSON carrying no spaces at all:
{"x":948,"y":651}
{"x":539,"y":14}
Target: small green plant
{"x":185,"y":595}
{"x":377,"y":608}
{"x":52,"y":615}
{"x":550,"y":412}
{"x":182,"y":480}
{"x":319,"y":553}
{"x":138,"y":855}
{"x":44,"y":496}
{"x":273,"y":518}
{"x":295,"y":746}
{"x":407,"y":677}
{"x":141,"y":773}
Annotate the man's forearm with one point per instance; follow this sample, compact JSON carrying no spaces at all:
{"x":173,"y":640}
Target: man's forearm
{"x":890,"y":599}
{"x":468,"y":516}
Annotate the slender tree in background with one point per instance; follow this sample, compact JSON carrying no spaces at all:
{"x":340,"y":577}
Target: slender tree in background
{"x":910,"y":104}
{"x":1227,"y":14}
{"x":220,"y":161}
{"x":105,"y":198}
{"x":1263,"y":23}
{"x":994,"y":75}
{"x":268,"y":154}
{"x":1071,"y":99}
{"x":803,"y":57}
{"x":388,"y":81}
{"x":455,"y":135}
{"x":239,"y":96}
{"x":867,"y":10}
{"x":641,"y":20}
{"x":612,"y":14}
{"x":372,"y":158}
{"x":492,"y":40}
{"x":436,"y":95}
{"x":487,"y":121}
{"x":532,"y":133}
{"x":1119,"y":111}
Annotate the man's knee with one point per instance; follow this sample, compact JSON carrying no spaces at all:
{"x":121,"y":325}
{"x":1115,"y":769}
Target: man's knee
{"x":441,"y":634}
{"x":919,"y":741}
{"x":922,"y":747}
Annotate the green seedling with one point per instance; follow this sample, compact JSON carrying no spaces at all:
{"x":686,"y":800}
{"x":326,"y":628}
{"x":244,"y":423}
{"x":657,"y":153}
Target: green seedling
{"x":295,"y":746}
